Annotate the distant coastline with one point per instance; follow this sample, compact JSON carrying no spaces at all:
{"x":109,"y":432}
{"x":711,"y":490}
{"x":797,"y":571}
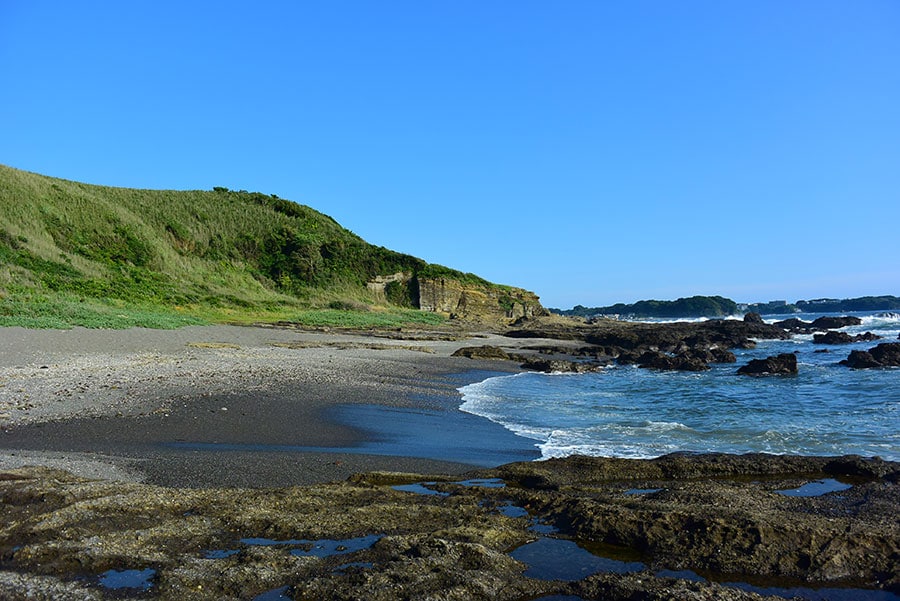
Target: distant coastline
{"x":718,"y":306}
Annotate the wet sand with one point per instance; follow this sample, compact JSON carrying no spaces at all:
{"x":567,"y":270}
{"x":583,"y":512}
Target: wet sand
{"x":242,"y":406}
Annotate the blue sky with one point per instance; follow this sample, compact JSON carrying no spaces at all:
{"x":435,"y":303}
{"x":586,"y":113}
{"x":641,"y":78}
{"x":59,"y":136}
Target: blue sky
{"x":591,"y":151}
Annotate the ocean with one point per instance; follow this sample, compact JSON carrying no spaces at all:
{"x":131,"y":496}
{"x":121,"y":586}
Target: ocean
{"x":625,"y":411}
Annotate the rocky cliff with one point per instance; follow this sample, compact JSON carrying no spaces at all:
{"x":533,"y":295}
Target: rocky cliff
{"x":476,"y":302}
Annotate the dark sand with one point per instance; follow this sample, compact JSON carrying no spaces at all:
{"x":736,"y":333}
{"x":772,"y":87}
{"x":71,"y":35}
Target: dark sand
{"x":225,"y":406}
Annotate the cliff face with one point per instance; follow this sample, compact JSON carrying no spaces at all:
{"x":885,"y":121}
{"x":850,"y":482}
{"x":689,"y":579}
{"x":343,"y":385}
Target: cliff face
{"x":477,"y":303}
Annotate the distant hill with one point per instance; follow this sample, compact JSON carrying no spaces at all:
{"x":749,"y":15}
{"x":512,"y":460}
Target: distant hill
{"x":695,"y":306}
{"x":717,"y":306}
{"x":218,"y":252}
{"x":829,"y":305}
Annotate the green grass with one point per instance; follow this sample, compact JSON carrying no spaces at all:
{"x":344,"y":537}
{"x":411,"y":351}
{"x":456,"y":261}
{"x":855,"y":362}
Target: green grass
{"x":366,"y":319}
{"x":62,"y":313}
{"x":97,"y":256}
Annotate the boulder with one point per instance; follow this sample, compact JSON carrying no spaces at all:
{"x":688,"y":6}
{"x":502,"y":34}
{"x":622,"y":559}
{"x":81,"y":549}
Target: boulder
{"x":753,"y":318}
{"x":781,"y":365}
{"x":833,"y":323}
{"x":886,"y":354}
{"x":798,"y":326}
{"x":860,"y":360}
{"x":831,"y":337}
{"x":866,"y":337}
{"x":681,"y":362}
{"x":793,"y":325}
{"x":557,"y":365}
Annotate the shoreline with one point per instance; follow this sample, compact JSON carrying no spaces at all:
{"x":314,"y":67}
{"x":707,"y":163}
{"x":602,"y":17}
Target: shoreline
{"x":212,"y":406}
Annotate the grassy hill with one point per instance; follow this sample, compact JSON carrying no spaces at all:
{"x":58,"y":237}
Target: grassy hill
{"x":73,"y":253}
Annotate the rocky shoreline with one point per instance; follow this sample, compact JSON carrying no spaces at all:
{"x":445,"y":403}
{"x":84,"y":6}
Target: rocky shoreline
{"x":678,"y":527}
{"x":672,"y":528}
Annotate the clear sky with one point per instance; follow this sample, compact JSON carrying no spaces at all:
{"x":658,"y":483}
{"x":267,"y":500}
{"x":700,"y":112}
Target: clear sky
{"x":592,"y":151}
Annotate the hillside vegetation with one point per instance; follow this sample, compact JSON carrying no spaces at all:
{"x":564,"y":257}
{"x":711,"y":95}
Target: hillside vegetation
{"x":73,"y":253}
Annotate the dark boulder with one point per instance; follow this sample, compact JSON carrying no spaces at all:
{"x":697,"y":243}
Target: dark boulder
{"x":713,"y":355}
{"x":792,"y":324}
{"x":681,"y":362}
{"x":860,"y":360}
{"x":833,"y":323}
{"x":784,"y":364}
{"x":798,"y":326}
{"x":753,"y":318}
{"x":886,"y":354}
{"x":833,"y":338}
{"x":866,"y":337}
{"x":557,"y":365}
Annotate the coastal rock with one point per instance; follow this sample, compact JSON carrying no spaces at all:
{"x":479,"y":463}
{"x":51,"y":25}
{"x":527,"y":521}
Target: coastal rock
{"x":860,"y":360}
{"x":792,"y":324}
{"x":866,"y":337}
{"x":476,"y":302}
{"x":798,"y":326}
{"x":886,"y":354}
{"x":832,"y":337}
{"x":834,"y":323}
{"x":482,"y":352}
{"x":784,"y":364}
{"x":753,"y":318}
{"x":683,"y":362}
{"x":560,"y":365}
{"x":368,"y":538}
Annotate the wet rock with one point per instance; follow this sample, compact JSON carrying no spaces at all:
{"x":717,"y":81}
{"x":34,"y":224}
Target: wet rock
{"x":715,"y":514}
{"x":832,"y":337}
{"x":860,"y":360}
{"x":834,"y":323}
{"x":682,"y":362}
{"x":753,"y":318}
{"x":784,"y":364}
{"x":561,"y":365}
{"x":798,"y":326}
{"x":886,"y":354}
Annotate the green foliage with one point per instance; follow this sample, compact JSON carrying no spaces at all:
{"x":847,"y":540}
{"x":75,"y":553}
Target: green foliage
{"x":402,"y":294}
{"x":221,"y":252}
{"x":361,"y":320}
{"x":435,"y":271}
{"x":863,"y":303}
{"x":62,"y":313}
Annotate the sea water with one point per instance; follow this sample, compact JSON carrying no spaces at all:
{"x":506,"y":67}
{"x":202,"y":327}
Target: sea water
{"x":626,"y":411}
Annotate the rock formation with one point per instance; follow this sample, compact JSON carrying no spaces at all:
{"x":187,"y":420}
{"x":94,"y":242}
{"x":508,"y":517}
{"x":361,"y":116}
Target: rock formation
{"x":832,"y":337}
{"x":886,"y":354}
{"x":780,"y":365}
{"x":476,"y":302}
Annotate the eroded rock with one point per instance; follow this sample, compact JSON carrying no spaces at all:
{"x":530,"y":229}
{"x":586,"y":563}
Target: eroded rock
{"x":713,"y":513}
{"x":784,"y":364}
{"x":886,"y":354}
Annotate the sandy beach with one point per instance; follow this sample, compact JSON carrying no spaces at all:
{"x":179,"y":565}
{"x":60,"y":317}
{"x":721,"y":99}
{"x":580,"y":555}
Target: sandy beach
{"x":242,"y":406}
